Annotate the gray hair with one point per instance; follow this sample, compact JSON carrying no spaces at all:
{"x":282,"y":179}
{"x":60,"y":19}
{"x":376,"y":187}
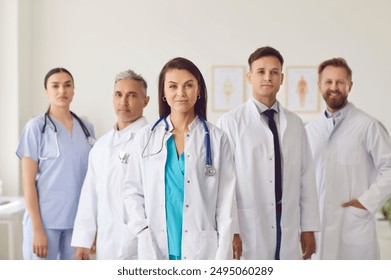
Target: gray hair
{"x":131,"y":75}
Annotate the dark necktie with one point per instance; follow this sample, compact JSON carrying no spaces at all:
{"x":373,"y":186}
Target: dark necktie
{"x":277,"y":158}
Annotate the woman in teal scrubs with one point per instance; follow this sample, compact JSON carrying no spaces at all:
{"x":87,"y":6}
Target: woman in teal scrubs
{"x":177,"y":208}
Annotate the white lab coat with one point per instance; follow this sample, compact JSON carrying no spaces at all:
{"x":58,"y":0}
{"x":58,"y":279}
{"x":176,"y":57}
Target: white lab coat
{"x":253,"y":148}
{"x":209,"y":204}
{"x":101,"y":210}
{"x":353,"y":161}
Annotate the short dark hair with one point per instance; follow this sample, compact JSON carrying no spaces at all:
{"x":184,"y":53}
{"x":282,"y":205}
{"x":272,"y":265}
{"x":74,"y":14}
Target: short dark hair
{"x":265,"y":51}
{"x":55,"y":71}
{"x":336,"y":62}
{"x":183,"y":64}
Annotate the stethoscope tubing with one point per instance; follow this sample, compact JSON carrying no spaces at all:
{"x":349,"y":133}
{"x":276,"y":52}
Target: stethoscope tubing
{"x":207,"y":143}
{"x":90,"y":140}
{"x":82,"y":125}
{"x":209,"y":169}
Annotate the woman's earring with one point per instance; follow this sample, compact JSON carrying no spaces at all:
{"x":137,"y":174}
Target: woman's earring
{"x":199,"y":96}
{"x":164,"y":99}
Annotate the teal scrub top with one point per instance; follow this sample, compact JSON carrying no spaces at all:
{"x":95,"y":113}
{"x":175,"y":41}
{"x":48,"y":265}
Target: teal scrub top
{"x":174,"y":188}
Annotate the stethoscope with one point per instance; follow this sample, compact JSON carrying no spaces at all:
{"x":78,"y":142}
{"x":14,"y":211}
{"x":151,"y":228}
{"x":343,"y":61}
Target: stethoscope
{"x":90,"y":139}
{"x":209,"y":169}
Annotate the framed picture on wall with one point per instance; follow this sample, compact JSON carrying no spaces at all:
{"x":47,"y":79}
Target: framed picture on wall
{"x":228,"y":89}
{"x":302,"y":95}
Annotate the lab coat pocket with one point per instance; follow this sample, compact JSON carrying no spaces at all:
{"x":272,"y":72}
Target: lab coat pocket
{"x":357,"y":226}
{"x":145,"y":246}
{"x":207,"y":245}
{"x":359,"y":213}
{"x":358,"y":236}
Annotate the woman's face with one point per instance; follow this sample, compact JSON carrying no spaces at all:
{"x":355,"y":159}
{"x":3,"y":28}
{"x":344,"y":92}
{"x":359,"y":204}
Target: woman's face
{"x":181,"y":90}
{"x":60,"y":90}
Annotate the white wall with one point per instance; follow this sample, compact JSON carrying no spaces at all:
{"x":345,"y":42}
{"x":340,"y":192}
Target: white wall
{"x":9,"y":111}
{"x":96,"y":39}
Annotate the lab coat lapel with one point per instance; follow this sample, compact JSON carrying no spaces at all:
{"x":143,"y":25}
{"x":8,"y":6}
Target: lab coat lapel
{"x":282,"y":122}
{"x":256,"y":116}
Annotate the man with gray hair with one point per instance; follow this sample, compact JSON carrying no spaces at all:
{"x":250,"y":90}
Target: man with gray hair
{"x":100,"y":220}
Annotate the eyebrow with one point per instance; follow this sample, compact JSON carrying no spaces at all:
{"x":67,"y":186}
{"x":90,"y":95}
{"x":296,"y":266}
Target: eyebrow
{"x":263,"y":68}
{"x":66,"y":82}
{"x":191,"y":80}
{"x":118,"y":91}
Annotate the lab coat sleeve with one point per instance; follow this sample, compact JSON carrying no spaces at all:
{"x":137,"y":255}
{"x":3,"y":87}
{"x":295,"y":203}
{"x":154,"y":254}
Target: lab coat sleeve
{"x":134,"y":196}
{"x":85,"y":225}
{"x":226,"y":203}
{"x":310,"y":218}
{"x":378,"y":145}
{"x":222,"y":123}
{"x":228,"y":128}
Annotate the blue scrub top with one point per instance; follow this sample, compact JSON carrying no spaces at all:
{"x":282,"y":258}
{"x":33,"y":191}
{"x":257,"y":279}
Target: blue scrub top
{"x":174,"y":182}
{"x":61,"y":168}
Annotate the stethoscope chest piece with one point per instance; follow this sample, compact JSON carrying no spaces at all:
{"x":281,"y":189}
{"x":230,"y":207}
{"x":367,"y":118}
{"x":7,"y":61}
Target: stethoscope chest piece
{"x":210,"y":170}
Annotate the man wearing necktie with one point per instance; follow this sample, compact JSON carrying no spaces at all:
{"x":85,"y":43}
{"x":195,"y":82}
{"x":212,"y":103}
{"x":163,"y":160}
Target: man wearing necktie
{"x":276,"y":194}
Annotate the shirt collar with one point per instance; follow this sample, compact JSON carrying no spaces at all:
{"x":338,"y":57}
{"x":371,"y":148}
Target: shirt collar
{"x":341,"y":113}
{"x":192,"y":125}
{"x":133,"y":127}
{"x":262,"y":107}
{"x":125,"y":134}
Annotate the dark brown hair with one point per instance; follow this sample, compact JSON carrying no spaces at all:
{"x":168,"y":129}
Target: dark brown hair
{"x":265,"y":51}
{"x":55,"y":71}
{"x":183,"y":64}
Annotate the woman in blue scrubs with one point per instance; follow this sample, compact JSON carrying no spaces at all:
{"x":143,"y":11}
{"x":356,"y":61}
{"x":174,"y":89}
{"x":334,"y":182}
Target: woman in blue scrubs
{"x":54,"y":151}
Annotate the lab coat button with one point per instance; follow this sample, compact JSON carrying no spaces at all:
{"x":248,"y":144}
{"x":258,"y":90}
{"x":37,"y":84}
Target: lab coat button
{"x":186,"y":230}
{"x":184,"y":258}
{"x":187,"y":205}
